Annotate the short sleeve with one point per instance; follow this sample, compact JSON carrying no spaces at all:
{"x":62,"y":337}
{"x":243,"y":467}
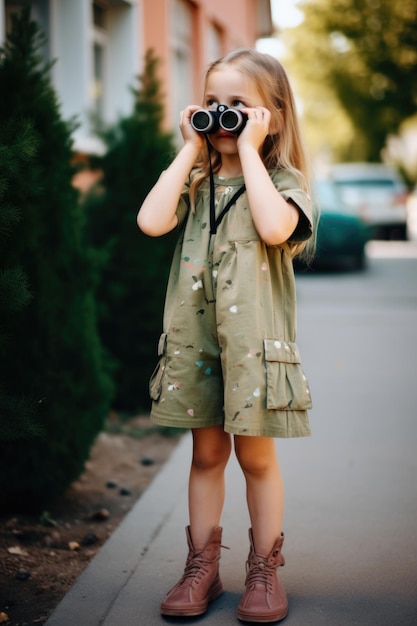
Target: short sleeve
{"x":183,"y":204}
{"x":287,"y":184}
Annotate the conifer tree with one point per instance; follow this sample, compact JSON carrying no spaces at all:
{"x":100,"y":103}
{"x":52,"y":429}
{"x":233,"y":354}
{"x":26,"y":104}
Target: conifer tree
{"x":17,"y":149}
{"x":133,"y":283}
{"x":52,"y":355}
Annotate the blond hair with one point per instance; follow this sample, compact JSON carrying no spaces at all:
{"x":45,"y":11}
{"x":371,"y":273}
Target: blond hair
{"x":282,"y":150}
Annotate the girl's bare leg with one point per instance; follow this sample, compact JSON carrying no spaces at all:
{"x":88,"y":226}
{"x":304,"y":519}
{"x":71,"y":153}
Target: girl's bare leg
{"x":206,"y":488}
{"x":200,"y":583}
{"x":264,"y":489}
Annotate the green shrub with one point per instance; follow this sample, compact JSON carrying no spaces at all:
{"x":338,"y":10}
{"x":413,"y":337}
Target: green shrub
{"x":52,"y":368}
{"x":17,"y":149}
{"x":132,"y":289}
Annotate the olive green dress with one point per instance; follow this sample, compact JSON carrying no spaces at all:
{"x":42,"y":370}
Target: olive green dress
{"x":227,"y":355}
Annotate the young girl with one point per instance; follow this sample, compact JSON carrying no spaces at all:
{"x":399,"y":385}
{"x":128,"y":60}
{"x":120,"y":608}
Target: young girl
{"x":228,"y":362}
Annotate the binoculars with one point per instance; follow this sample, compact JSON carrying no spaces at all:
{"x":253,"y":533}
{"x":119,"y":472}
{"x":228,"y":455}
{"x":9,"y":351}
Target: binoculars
{"x":208,"y":122}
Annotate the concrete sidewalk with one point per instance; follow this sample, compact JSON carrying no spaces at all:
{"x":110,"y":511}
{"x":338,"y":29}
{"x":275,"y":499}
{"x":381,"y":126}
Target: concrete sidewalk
{"x":337,"y":571}
{"x":125,"y":582}
{"x":351,"y":489}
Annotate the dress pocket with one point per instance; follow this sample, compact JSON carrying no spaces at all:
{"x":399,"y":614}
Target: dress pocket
{"x":155,"y":382}
{"x":286,"y":385}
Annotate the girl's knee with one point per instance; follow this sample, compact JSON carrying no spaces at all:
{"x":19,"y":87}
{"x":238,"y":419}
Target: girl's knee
{"x":210,"y":450}
{"x":253,"y":466}
{"x":255,"y":458}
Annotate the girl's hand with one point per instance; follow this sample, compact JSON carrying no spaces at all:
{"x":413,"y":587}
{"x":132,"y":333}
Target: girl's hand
{"x":189,"y":134}
{"x":256,"y":129}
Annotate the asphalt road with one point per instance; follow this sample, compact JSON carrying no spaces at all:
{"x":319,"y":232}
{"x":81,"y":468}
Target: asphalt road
{"x":351,"y":488}
{"x":351,"y":514}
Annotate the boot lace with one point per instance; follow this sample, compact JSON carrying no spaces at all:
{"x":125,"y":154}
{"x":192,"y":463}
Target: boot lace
{"x":195,"y":569}
{"x":260,"y":573}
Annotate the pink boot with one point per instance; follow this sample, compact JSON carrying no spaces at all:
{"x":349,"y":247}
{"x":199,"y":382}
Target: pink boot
{"x":200,"y":584}
{"x":265,"y":599}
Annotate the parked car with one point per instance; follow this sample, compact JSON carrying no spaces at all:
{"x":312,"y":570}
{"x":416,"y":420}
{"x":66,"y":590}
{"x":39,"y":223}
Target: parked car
{"x":378,"y":195}
{"x":341,"y":235}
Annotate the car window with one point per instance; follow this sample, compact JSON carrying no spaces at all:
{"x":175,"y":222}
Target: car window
{"x":329,"y":197}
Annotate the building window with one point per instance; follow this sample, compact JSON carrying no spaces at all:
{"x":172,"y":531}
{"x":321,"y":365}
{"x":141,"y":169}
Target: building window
{"x":100,"y":46}
{"x":99,"y":15}
{"x":214,"y":43}
{"x":96,"y":48}
{"x":182,"y":58}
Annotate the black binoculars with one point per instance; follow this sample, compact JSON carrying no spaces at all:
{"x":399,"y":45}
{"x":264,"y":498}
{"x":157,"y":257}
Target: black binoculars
{"x":208,"y":121}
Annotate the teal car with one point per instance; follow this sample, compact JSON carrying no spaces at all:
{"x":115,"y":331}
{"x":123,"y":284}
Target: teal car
{"x":341,"y":234}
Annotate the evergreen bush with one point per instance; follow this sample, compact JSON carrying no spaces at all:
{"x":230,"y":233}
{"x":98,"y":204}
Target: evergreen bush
{"x":17,"y":149}
{"x":132,"y":289}
{"x":51,"y":357}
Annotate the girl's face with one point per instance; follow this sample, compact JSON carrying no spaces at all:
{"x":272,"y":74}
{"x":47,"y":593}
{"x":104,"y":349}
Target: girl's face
{"x":231,"y":87}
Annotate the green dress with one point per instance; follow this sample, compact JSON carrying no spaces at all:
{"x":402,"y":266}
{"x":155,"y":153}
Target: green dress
{"x":227,"y":355}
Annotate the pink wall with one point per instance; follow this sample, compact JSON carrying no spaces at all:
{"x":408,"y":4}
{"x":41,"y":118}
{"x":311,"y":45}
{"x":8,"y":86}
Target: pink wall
{"x":237,"y":20}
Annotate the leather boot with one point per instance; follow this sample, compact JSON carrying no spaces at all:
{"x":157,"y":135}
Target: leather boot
{"x":265,"y":599}
{"x":200,"y":583}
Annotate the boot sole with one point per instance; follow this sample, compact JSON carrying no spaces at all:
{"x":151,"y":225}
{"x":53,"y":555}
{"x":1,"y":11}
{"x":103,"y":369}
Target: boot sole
{"x":194,"y":610}
{"x":261,"y":619}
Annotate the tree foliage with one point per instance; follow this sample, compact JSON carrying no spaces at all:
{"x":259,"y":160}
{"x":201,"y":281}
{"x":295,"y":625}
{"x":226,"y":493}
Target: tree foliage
{"x":53,"y":376}
{"x":17,"y":149}
{"x":360,"y":55}
{"x":133,"y":284}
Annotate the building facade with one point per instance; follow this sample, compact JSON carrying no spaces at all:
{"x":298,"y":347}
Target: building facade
{"x":99,"y":46}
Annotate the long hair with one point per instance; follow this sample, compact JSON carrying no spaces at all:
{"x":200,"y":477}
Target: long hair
{"x":282,"y":150}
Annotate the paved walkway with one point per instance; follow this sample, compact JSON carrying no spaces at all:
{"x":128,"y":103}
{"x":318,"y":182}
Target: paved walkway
{"x":351,"y":489}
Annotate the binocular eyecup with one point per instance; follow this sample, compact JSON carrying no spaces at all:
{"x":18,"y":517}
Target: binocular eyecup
{"x":208,"y":122}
